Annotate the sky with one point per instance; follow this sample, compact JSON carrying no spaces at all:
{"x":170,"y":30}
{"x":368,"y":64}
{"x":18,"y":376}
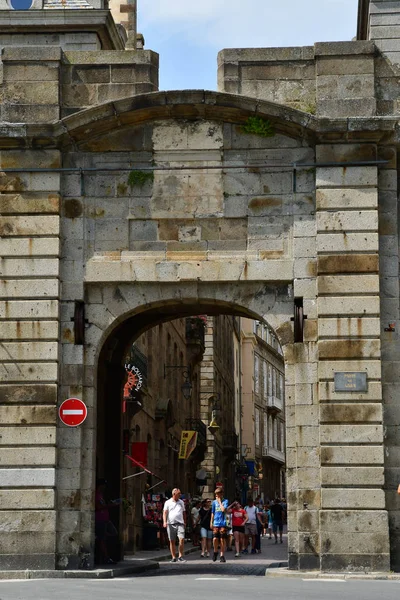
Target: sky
{"x":188,"y":34}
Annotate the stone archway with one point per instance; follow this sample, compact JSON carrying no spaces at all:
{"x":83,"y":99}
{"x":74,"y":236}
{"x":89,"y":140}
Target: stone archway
{"x":223,"y":212}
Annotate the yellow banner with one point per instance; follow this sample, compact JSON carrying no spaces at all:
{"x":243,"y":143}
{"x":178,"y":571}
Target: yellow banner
{"x":188,"y":443}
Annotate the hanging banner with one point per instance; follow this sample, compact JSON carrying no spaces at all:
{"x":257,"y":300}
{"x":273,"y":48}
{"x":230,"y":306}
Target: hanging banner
{"x":188,"y":443}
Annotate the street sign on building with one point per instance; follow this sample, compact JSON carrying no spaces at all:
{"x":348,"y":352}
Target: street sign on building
{"x":72,"y":412}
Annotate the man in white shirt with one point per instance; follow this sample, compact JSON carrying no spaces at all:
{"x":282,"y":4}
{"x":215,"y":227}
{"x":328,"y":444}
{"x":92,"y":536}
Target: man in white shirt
{"x":174,"y":519}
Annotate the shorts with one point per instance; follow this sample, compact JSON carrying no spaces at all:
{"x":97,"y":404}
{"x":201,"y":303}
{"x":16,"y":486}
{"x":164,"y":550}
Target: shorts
{"x":239,"y":528}
{"x":276,"y":526}
{"x":270,"y":524}
{"x":206,"y":533}
{"x":250,"y":529}
{"x":175,"y":530}
{"x":219,"y":532}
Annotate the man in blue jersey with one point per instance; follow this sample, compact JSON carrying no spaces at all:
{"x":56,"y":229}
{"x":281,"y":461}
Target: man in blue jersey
{"x":218,"y":524}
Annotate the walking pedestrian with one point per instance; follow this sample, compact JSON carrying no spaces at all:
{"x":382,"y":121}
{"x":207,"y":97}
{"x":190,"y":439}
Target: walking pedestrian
{"x":278,"y":515}
{"x":251,"y":525}
{"x":174,"y":518}
{"x":218,"y":524}
{"x":205,"y":528}
{"x":195,"y":515}
{"x":104,"y":527}
{"x":239,"y":519}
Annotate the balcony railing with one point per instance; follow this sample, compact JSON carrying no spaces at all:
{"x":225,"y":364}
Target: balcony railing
{"x":199,"y":426}
{"x":230,"y":441}
{"x":270,"y":452}
{"x":275,"y":403}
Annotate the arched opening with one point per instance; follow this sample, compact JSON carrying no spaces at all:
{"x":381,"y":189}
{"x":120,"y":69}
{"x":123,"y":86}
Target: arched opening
{"x":166,"y":339}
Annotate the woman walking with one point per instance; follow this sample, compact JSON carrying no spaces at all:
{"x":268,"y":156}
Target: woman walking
{"x":239,"y":518}
{"x":205,"y":528}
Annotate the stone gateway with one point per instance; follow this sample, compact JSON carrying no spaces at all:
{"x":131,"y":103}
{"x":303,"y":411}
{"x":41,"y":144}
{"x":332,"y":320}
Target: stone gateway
{"x":275,"y":196}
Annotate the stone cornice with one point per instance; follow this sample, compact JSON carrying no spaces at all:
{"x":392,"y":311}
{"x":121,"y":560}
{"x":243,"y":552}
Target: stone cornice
{"x":80,"y":127}
{"x":61,"y":20}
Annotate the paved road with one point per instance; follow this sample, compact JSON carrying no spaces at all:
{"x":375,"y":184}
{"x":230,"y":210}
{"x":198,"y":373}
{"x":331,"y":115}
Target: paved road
{"x":198,"y":587}
{"x":200,"y":578}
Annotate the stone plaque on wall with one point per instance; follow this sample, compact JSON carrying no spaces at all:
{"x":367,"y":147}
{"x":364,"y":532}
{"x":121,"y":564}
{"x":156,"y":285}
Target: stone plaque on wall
{"x":351,"y":382}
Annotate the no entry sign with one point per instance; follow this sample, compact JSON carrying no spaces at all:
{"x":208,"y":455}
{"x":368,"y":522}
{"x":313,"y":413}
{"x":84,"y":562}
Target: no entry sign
{"x":72,"y":412}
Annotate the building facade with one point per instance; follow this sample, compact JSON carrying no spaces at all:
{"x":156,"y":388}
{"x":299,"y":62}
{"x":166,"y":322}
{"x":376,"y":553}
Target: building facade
{"x":218,"y":406}
{"x":263,"y":408}
{"x":274,"y":198}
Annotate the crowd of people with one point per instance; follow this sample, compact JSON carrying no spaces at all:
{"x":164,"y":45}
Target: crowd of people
{"x":216,"y":526}
{"x":219,"y":526}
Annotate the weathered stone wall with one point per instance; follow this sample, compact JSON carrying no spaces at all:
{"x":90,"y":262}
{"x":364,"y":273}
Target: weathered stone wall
{"x":41,"y":85}
{"x":282,"y":75}
{"x":29,"y":355}
{"x":91,"y":78}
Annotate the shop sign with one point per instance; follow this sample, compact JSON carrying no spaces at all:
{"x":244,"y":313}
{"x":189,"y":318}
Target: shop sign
{"x":188,"y":443}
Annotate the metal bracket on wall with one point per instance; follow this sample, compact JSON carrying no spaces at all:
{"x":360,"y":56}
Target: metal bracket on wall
{"x":299,"y":318}
{"x":79,"y":323}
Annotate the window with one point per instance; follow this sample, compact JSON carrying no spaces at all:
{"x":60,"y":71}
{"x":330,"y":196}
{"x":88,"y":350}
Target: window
{"x":256,"y":374}
{"x":257,"y":426}
{"x":270,"y":433}
{"x":274,"y":382}
{"x":265,"y":380}
{"x":270,"y":393}
{"x":281,"y":386}
{"x":276,"y":433}
{"x":265,"y":429}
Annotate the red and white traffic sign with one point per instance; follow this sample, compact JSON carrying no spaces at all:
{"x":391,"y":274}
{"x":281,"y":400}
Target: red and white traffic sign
{"x":72,"y":412}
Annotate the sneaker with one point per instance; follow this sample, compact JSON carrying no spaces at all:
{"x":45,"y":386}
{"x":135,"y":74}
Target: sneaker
{"x":222,"y":559}
{"x":254,"y":551}
{"x":174,"y":560}
{"x":237,"y":554}
{"x":245,"y":551}
{"x":215,"y":556}
{"x":181,"y":559}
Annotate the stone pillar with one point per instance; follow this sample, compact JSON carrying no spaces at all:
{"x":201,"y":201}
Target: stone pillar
{"x":390,"y":351}
{"x":353,"y":519}
{"x":130,"y":9}
{"x":384,"y":27}
{"x":301,"y":402}
{"x":29,"y":311}
{"x":345,"y":79}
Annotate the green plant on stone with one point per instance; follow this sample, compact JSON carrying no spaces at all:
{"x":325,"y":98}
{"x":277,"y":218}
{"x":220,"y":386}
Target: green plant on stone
{"x":139,"y":178}
{"x":258,"y":126}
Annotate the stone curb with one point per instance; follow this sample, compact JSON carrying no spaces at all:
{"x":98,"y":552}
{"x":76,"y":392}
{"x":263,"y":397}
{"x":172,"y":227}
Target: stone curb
{"x":284,"y":572}
{"x":139,"y":565}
